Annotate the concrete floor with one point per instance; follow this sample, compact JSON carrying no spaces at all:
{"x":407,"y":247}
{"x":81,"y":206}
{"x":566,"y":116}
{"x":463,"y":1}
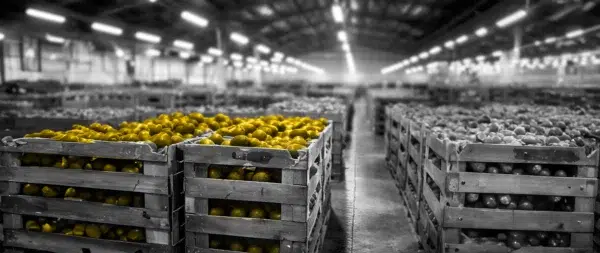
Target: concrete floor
{"x":368,"y":215}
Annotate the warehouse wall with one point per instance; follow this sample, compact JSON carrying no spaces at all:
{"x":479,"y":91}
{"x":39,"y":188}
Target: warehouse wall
{"x":368,"y":65}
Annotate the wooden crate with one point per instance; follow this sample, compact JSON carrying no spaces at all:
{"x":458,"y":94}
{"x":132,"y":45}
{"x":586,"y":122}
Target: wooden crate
{"x":302,"y":180}
{"x":338,"y":134}
{"x":453,"y":182}
{"x":161,"y":217}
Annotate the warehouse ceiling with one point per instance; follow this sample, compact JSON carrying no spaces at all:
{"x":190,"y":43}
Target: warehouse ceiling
{"x":290,"y":26}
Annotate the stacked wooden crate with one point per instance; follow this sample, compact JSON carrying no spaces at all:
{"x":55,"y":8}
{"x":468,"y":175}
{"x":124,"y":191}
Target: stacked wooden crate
{"x":446,"y":212}
{"x":158,"y":211}
{"x":301,"y":193}
{"x":377,"y":100}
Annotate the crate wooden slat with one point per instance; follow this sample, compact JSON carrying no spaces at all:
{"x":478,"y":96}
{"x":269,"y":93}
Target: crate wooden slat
{"x":303,"y":179}
{"x":454,"y":182}
{"x":161,"y":183}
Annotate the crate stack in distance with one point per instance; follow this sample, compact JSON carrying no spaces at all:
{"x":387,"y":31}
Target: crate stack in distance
{"x":495,"y":184}
{"x":243,"y":195}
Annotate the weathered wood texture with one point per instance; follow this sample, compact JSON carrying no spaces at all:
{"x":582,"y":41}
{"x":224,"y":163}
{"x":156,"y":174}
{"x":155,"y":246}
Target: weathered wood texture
{"x":452,"y":182}
{"x":161,"y":183}
{"x":305,"y":180}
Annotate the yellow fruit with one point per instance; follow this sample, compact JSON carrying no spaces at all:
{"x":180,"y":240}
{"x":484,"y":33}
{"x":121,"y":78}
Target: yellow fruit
{"x":274,"y":249}
{"x":226,"y":143}
{"x":259,"y":134}
{"x":79,"y":230}
{"x":135,"y":235}
{"x":109,"y":167}
{"x":236,"y":246}
{"x":249,"y":175}
{"x":62,"y":163}
{"x":120,"y":232}
{"x":206,"y":141}
{"x":93,"y":231}
{"x":104,"y":229}
{"x":67,"y":231}
{"x":78,"y":164}
{"x":216,"y":138}
{"x":144,"y":136}
{"x":49,"y":192}
{"x":47,"y":133}
{"x":188,"y":136}
{"x":254,"y":249}
{"x":31,"y":189}
{"x":124,"y":200}
{"x":98,"y":164}
{"x":214,"y":173}
{"x":248,"y":128}
{"x":221,"y":117}
{"x":234,"y":175}
{"x":130,"y":168}
{"x":254,"y":142}
{"x":111,"y":200}
{"x":70,"y":192}
{"x":217,"y":211}
{"x":85,"y":195}
{"x":32,"y":225}
{"x":215,"y":244}
{"x":293,"y":149}
{"x":299,"y":140}
{"x":88,"y":166}
{"x":240,"y":141}
{"x":238,"y":212}
{"x":199,"y":131}
{"x":197,"y":116}
{"x":261,"y":176}
{"x":299,"y":132}
{"x":275,"y":215}
{"x":162,"y":140}
{"x":257,"y":213}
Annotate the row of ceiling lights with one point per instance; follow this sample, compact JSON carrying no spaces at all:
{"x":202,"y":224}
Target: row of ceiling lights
{"x":451,"y":44}
{"x":342,"y":35}
{"x":181,"y":44}
{"x":538,"y":43}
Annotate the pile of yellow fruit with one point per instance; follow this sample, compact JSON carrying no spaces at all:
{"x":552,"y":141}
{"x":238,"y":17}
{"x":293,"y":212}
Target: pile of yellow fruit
{"x":275,"y":131}
{"x":248,"y":210}
{"x":85,"y":163}
{"x":272,"y":131}
{"x":93,"y":195}
{"x":244,"y":173}
{"x":92,"y":230}
{"x":243,"y":244}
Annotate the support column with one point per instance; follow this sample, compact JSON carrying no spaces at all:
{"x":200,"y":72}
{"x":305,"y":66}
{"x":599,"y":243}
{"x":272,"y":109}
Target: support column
{"x":219,"y":70}
{"x":256,"y":74}
{"x":2,"y":66}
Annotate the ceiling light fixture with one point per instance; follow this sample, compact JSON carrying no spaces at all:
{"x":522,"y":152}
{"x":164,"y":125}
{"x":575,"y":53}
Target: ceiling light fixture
{"x":265,"y":10}
{"x":435,"y":50}
{"x":152,"y":52}
{"x":481,"y":32}
{"x":462,"y":39}
{"x":45,"y":15}
{"x":239,"y":38}
{"x":236,"y":57}
{"x":206,"y":58}
{"x":107,"y":28}
{"x":215,"y":51}
{"x":550,"y":40}
{"x":185,"y":55}
{"x":338,"y":14}
{"x":511,"y":19}
{"x":497,"y":53}
{"x":263,"y":49}
{"x":148,"y":37}
{"x":194,"y":19}
{"x":251,"y":59}
{"x":278,"y":55}
{"x":183,"y":44}
{"x":575,"y":33}
{"x":55,"y":39}
{"x":119,"y":53}
{"x":1,"y":36}
{"x":449,"y":44}
{"x":346,"y":47}
{"x":423,"y":55}
{"x":414,"y":59}
{"x":342,"y":36}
